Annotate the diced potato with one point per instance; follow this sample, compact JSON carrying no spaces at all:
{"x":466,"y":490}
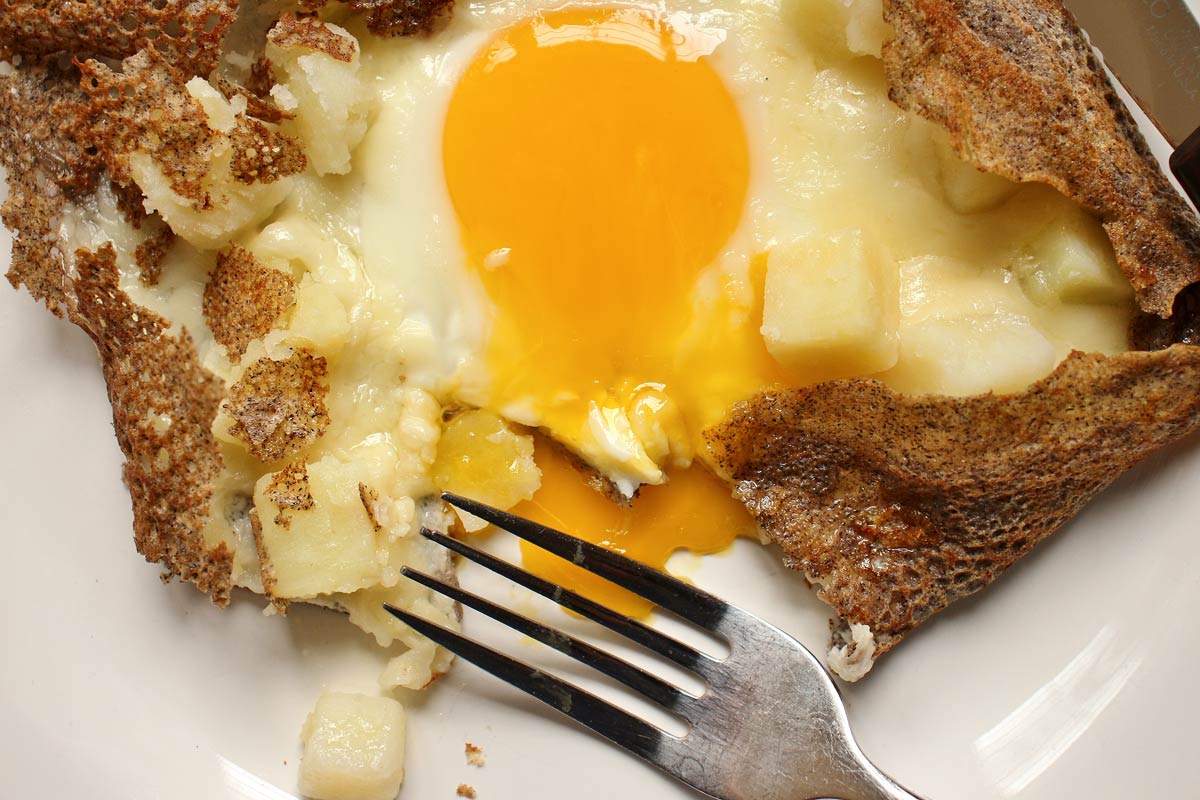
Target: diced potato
{"x":366,"y":610}
{"x":967,"y":330}
{"x":218,"y":110}
{"x":330,"y":547}
{"x":301,"y":244}
{"x":970,"y":353}
{"x":831,"y":307}
{"x":1072,"y":261}
{"x":353,"y":748}
{"x":236,"y":206}
{"x":319,"y":321}
{"x":480,"y":457}
{"x":327,"y":99}
{"x":416,"y":667}
{"x":422,"y":662}
{"x":865,"y":29}
{"x":1090,"y":328}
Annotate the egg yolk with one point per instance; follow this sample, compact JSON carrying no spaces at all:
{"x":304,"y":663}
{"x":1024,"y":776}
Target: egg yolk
{"x":598,"y":166}
{"x":694,"y":508}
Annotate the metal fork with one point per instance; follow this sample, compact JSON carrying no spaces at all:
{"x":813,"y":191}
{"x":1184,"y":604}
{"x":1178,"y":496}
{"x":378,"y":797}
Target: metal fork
{"x":769,"y":725}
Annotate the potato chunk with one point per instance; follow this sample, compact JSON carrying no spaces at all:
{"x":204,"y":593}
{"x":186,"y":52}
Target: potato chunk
{"x":962,"y":186}
{"x":329,"y":546}
{"x":966,"y":331}
{"x":325,"y":94}
{"x":831,"y":307}
{"x":966,"y":188}
{"x":480,"y":457}
{"x":1072,"y":261}
{"x":319,"y":321}
{"x":969,"y":354}
{"x":234,"y":205}
{"x":353,"y":748}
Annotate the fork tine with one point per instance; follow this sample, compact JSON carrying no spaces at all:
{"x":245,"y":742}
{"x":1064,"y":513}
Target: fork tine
{"x":681,"y":599}
{"x":631,"y":629}
{"x":635,"y":678}
{"x":618,"y":726}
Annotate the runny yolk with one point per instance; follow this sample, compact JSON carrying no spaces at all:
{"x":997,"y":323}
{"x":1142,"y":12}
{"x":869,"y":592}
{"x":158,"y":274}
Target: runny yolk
{"x":598,"y":165}
{"x":693,"y":510}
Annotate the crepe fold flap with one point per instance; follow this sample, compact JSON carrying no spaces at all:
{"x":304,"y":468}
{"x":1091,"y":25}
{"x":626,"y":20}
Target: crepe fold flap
{"x":163,"y":405}
{"x":1022,"y":95}
{"x":897,"y":506}
{"x":44,"y":147}
{"x":70,"y":118}
{"x":187,"y":32}
{"x":395,"y":17}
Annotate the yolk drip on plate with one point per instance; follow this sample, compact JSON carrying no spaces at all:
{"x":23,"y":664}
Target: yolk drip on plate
{"x":694,"y":509}
{"x":598,"y":166}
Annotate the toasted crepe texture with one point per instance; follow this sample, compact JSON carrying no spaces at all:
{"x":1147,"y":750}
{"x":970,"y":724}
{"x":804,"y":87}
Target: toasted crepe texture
{"x":187,"y":33}
{"x":163,"y":406}
{"x":44,"y":148}
{"x":395,"y":17}
{"x":278,"y":407}
{"x":896,"y":506}
{"x":243,"y":298}
{"x":58,"y":141}
{"x":146,"y":109}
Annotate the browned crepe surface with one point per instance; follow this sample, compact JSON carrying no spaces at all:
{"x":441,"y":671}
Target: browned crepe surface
{"x":395,"y":17}
{"x":163,"y":406}
{"x":896,"y":506}
{"x":278,"y":407}
{"x":243,"y":298}
{"x":187,"y":32}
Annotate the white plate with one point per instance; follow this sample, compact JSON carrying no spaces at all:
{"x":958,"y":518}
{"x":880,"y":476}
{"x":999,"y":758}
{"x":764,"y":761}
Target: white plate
{"x":1071,"y":677}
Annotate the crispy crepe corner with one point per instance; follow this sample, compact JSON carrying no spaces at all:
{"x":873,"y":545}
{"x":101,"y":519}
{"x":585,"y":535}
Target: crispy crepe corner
{"x":897,"y":506}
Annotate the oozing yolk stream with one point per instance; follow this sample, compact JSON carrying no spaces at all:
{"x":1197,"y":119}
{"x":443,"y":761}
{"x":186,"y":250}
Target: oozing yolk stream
{"x":694,"y":509}
{"x":598,"y":165}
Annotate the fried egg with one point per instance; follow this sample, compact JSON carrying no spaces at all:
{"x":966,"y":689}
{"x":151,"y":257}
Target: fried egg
{"x":610,"y":224}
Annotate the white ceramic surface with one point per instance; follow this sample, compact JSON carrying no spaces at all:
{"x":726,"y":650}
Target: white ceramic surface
{"x":1072,"y":677}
